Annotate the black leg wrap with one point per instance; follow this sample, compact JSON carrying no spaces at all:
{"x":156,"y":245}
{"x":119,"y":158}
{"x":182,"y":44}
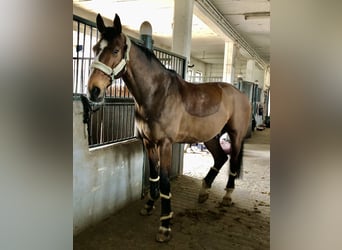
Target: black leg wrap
{"x":150,"y":203}
{"x":165,"y":223}
{"x":231,"y":182}
{"x":166,"y":213}
{"x":210,"y":177}
{"x":164,"y":232}
{"x":154,"y":190}
{"x":165,"y":207}
{"x":149,"y":207}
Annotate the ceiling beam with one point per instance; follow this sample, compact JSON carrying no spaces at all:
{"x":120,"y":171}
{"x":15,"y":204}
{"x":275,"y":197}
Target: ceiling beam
{"x":216,"y":18}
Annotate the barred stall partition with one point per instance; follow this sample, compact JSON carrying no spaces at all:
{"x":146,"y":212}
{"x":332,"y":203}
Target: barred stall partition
{"x":114,"y":120}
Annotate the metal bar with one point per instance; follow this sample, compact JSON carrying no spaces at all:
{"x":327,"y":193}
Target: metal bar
{"x":82,"y":20}
{"x":121,"y":120}
{"x":90,"y":46}
{"x":82,"y":65}
{"x":168,"y":53}
{"x":77,"y":57}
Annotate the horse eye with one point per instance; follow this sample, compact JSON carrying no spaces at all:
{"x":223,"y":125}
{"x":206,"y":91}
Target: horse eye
{"x":115,"y":51}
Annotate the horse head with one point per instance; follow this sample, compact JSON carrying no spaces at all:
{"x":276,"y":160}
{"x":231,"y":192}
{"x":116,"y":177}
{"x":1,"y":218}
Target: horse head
{"x":111,"y":56}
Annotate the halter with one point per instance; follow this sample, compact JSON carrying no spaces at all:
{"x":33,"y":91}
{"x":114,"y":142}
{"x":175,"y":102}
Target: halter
{"x":112,"y":73}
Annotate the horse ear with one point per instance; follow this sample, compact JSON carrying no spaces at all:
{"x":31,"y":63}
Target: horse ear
{"x":117,"y":23}
{"x":100,"y":24}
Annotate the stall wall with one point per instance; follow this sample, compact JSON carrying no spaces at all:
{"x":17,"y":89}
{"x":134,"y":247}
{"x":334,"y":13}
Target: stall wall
{"x":104,"y":179}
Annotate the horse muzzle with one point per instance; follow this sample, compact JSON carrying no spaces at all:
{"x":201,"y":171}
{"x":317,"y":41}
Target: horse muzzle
{"x":95,"y":95}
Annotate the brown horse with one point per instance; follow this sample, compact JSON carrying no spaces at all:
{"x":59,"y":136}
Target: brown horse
{"x":170,"y":110}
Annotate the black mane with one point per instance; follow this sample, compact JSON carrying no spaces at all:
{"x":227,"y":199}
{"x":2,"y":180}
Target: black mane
{"x":151,"y":56}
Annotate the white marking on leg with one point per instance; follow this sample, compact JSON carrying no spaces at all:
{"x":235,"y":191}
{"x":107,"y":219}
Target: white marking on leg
{"x":154,"y":180}
{"x":227,"y":199}
{"x":167,"y":216}
{"x":166,"y":196}
{"x":229,"y":192}
{"x":164,"y":229}
{"x":232,"y":174}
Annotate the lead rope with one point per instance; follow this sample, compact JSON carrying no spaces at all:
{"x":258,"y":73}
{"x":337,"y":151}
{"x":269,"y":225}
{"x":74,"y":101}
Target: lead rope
{"x":87,"y":110}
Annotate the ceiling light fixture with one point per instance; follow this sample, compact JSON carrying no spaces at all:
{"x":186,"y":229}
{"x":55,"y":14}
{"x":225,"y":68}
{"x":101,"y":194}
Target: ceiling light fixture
{"x":257,"y":15}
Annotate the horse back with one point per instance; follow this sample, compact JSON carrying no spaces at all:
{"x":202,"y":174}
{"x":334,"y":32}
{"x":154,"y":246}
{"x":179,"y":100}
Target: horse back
{"x":201,"y":99}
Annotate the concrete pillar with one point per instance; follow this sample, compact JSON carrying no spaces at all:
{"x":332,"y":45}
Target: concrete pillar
{"x":228,"y":64}
{"x":267,"y":78}
{"x":181,"y":44}
{"x":250,"y":68}
{"x":182,"y":27}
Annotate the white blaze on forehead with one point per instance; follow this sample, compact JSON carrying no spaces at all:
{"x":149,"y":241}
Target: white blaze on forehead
{"x":103,"y":44}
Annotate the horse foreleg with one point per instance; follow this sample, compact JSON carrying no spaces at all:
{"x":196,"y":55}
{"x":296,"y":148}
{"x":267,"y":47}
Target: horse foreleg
{"x":165,"y":153}
{"x":154,"y":178}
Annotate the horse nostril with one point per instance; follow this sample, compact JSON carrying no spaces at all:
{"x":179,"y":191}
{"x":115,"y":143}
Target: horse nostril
{"x":95,"y":93}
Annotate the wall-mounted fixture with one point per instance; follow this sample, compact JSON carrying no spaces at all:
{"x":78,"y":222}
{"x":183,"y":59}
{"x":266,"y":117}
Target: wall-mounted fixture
{"x":257,"y":15}
{"x":146,"y":34}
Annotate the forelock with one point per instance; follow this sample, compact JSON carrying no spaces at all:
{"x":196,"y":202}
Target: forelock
{"x":110,"y":33}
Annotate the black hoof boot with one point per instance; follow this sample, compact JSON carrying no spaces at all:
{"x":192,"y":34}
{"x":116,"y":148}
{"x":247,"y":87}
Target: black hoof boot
{"x":147,"y":210}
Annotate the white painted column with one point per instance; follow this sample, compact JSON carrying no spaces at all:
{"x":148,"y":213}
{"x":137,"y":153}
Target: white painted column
{"x":181,"y":44}
{"x":228,"y":64}
{"x":250,"y":68}
{"x":182,"y":27}
{"x":267,"y":78}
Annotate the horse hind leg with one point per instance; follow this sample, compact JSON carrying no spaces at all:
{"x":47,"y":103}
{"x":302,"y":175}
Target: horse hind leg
{"x":235,"y":170}
{"x":220,"y":157}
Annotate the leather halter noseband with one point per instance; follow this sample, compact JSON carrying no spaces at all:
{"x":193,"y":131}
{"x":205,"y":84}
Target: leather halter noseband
{"x":112,"y":73}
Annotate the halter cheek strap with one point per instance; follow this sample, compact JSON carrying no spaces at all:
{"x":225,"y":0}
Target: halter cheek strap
{"x":112,"y":73}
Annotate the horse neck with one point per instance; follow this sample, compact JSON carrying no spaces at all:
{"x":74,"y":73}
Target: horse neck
{"x":145,"y":77}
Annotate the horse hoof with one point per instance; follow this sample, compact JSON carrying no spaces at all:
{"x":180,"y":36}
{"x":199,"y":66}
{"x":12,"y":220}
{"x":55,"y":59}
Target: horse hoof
{"x":227,"y":201}
{"x":147,"y":210}
{"x":163,"y":235}
{"x":203,"y":197}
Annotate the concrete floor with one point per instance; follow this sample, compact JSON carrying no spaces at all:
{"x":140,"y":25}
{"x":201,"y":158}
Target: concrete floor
{"x":245,"y":225}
